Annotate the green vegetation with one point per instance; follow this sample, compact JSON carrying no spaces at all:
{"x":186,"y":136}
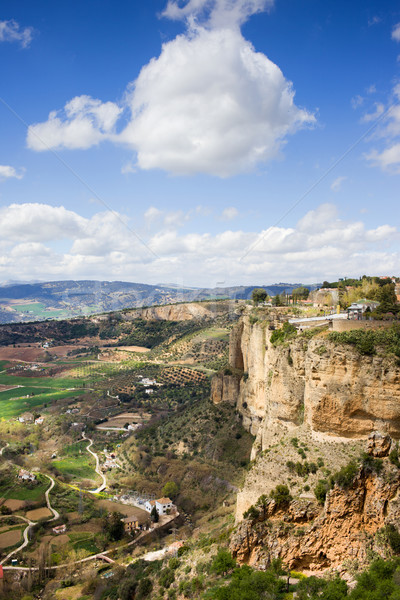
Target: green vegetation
{"x":370,"y":341}
{"x":281,"y":495}
{"x":12,"y":488}
{"x":287,"y":332}
{"x":259,"y":295}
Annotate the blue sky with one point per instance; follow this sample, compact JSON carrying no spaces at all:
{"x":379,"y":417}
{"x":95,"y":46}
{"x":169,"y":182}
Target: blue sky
{"x":199,"y":141}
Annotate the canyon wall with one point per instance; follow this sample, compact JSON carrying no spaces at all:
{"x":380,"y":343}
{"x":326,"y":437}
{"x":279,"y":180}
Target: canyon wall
{"x":184,"y":311}
{"x":311,"y":382}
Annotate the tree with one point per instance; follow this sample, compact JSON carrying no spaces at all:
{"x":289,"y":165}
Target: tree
{"x":262,"y":503}
{"x":300,"y":293}
{"x":279,"y":300}
{"x":114,"y":526}
{"x":154,"y":516}
{"x":170,"y":490}
{"x":223,"y":562}
{"x":259,"y":295}
{"x":281,"y":495}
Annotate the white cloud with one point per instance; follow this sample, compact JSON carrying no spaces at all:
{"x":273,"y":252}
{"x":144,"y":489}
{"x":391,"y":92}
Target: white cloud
{"x":84,"y":122}
{"x":215,"y":13}
{"x":103,"y":247}
{"x":208,"y":104}
{"x":7,"y":172}
{"x":337,"y":184}
{"x":357,"y":101}
{"x":229,"y":213}
{"x":387,"y":160}
{"x":396,"y":32}
{"x":379,"y":110}
{"x":33,"y":222}
{"x":11,"y":31}
{"x":387,"y":157}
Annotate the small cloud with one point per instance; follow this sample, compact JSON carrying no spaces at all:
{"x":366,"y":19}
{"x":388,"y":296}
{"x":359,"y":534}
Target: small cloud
{"x":203,"y":211}
{"x":396,"y":33}
{"x":128,"y":168}
{"x":10,"y":31}
{"x":152,"y":214}
{"x":371,"y":89}
{"x":357,"y":101}
{"x":229,"y":213}
{"x":336,"y":185}
{"x":7,"y":172}
{"x":379,"y":110}
{"x":363,"y":211}
{"x":374,"y":21}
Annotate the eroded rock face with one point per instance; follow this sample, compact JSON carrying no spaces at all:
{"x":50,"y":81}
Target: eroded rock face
{"x":329,"y":388}
{"x":312,"y":538}
{"x":181,"y":312}
{"x":225,"y":388}
{"x":378,"y":445}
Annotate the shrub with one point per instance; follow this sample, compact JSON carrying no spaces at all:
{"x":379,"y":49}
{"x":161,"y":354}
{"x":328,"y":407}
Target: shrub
{"x":223,"y":562}
{"x":321,"y":490}
{"x":345,"y":477}
{"x":371,"y":464}
{"x":281,"y":495}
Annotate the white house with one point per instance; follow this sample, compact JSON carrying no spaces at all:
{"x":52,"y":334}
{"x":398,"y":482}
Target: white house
{"x":26,"y":475}
{"x":149,"y":505}
{"x":164,"y":506}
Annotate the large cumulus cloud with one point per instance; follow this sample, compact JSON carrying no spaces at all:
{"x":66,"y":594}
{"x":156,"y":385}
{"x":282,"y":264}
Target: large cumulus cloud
{"x":208,"y":104}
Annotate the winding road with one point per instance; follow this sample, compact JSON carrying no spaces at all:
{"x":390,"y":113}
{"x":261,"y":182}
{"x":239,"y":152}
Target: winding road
{"x":103,"y":486}
{"x":32,"y":524}
{"x":3,"y":448}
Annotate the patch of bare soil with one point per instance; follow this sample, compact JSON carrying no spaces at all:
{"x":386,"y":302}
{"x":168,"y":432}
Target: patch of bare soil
{"x":125,"y":509}
{"x":10,"y":538}
{"x":38,"y":513}
{"x":13,"y":504}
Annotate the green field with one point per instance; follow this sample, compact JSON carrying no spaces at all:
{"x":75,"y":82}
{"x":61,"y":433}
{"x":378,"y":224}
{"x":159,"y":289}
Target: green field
{"x":13,"y":407}
{"x":3,"y":364}
{"x":45,"y":389}
{"x":39,"y":310}
{"x":83,"y":540}
{"x":77,"y":462}
{"x":12,"y":488}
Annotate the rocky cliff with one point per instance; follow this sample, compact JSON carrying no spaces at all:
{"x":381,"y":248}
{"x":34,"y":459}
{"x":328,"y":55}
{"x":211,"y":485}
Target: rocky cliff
{"x":184,"y":311}
{"x":311,"y":404}
{"x":342,"y":535}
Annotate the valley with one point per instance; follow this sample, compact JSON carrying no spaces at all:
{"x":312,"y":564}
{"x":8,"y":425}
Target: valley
{"x":254,"y":431}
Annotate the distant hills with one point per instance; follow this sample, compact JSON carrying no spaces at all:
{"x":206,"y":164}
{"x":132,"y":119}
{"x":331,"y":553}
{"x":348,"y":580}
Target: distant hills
{"x":66,"y":299}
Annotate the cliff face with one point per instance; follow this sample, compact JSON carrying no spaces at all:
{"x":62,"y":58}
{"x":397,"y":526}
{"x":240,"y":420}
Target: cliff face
{"x":326,"y":396}
{"x":183,"y":312}
{"x":330,"y":389}
{"x":311,"y":538}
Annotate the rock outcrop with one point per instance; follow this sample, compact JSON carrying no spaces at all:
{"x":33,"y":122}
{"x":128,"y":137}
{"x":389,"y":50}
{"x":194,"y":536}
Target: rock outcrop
{"x":329,"y":388}
{"x":184,"y":311}
{"x":348,"y":528}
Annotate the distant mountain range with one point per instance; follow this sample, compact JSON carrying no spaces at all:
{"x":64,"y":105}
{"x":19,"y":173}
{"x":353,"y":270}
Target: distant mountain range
{"x":66,"y":299}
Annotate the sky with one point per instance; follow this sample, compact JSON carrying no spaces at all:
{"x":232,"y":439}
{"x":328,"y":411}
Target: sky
{"x":199,"y":142}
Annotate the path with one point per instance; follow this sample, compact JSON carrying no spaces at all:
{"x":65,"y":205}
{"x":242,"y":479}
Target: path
{"x":98,"y":470}
{"x":3,"y":448}
{"x":26,"y":537}
{"x":31,"y":524}
{"x":99,"y":555}
{"x":53,"y":510}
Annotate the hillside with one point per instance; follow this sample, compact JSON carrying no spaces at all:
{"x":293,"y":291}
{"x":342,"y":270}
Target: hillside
{"x":65,"y":299}
{"x":262,"y":436}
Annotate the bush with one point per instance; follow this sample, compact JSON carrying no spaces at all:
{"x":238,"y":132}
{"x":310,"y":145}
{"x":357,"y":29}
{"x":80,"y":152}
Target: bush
{"x":345,"y":477}
{"x":281,"y":495}
{"x":223,"y":562}
{"x":321,"y":490}
{"x":393,"y":538}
